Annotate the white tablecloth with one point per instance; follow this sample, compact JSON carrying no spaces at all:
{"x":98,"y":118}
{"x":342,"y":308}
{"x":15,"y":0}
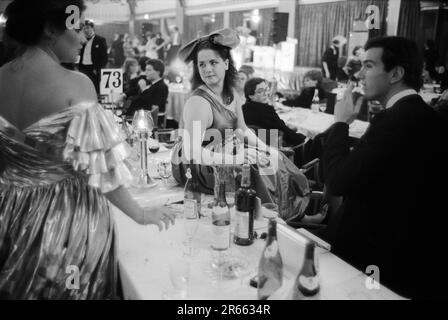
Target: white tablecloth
{"x":177,"y":96}
{"x":145,"y":255}
{"x":310,"y":124}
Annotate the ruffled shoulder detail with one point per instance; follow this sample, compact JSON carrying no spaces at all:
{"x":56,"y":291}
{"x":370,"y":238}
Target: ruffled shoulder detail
{"x":96,"y":145}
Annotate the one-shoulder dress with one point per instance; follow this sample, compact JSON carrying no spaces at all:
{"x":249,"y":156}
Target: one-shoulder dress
{"x":56,"y":231}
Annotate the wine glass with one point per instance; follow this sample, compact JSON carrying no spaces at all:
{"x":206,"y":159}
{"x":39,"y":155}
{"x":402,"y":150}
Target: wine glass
{"x":191,"y":224}
{"x":180,"y":276}
{"x":164,"y":170}
{"x":154,"y":146}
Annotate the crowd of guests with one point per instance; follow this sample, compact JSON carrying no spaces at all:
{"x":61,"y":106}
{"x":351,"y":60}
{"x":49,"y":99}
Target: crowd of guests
{"x":392,"y":212}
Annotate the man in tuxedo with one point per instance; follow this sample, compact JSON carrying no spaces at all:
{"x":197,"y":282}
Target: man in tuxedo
{"x":93,"y":55}
{"x":393,"y":214}
{"x":156,"y":93}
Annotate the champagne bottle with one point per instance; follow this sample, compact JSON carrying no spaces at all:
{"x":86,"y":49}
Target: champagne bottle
{"x":192,"y":196}
{"x":270,"y":268}
{"x":244,"y":211}
{"x":221,"y":220}
{"x":307,"y":281}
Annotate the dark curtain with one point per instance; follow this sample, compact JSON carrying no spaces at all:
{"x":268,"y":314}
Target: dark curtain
{"x":236,"y":19}
{"x":264,"y":27}
{"x":201,"y":25}
{"x":317,"y":24}
{"x":409,"y":18}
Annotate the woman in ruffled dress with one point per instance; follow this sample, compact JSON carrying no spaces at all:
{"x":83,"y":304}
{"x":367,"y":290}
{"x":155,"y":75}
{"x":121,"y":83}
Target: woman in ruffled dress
{"x":62,"y":161}
{"x":214,"y":129}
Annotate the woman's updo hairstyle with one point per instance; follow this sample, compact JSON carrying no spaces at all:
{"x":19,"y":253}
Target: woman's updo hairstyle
{"x":26,"y":19}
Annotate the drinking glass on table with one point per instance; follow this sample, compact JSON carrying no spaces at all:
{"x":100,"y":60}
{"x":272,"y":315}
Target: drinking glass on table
{"x":180,"y":276}
{"x":153,"y":146}
{"x":191,"y":224}
{"x":269,"y":210}
{"x":164,"y":170}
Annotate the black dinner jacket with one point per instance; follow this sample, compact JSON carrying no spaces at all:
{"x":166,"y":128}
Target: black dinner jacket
{"x":264,"y":116}
{"x":99,"y":52}
{"x":156,"y":94}
{"x":394,"y":212}
{"x":305,"y":99}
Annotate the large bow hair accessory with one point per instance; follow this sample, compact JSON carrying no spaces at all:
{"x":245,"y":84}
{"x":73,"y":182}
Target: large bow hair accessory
{"x":224,"y":37}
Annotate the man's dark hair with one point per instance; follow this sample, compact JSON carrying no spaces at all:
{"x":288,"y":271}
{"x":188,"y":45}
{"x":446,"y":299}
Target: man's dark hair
{"x":399,"y":51}
{"x":157,"y":65}
{"x":26,"y":20}
{"x":251,"y":84}
{"x":89,"y":23}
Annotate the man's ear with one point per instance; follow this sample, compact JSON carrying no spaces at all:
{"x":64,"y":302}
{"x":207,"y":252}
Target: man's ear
{"x":397,"y":74}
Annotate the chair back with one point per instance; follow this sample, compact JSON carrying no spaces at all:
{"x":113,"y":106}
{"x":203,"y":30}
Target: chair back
{"x":155,"y":116}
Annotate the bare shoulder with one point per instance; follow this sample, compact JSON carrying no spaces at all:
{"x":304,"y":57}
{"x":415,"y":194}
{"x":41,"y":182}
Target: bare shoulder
{"x":198,"y":109}
{"x":82,"y":86}
{"x":196,"y":105}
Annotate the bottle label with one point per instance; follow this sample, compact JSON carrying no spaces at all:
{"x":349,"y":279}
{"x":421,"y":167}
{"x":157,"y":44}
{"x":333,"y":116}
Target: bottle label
{"x":190,"y":208}
{"x":221,"y":237}
{"x":309,"y":283}
{"x":242,"y":224}
{"x":271,"y":250}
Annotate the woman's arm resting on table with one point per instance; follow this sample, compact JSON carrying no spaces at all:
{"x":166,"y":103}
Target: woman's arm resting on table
{"x":121,"y":198}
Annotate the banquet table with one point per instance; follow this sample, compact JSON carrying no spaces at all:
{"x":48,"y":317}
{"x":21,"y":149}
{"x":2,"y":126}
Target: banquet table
{"x":145,"y":256}
{"x":312,"y":123}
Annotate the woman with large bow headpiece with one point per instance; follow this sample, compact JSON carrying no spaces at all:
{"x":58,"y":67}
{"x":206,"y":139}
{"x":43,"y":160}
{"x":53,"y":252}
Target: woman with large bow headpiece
{"x":214,"y":130}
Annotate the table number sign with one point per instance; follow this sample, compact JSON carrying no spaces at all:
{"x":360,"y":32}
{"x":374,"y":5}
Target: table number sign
{"x":111,"y":81}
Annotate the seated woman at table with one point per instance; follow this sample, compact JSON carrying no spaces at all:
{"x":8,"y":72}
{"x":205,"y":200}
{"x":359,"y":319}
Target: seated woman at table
{"x":131,"y":78}
{"x":239,"y":84}
{"x":354,"y":64}
{"x":214,"y":129}
{"x":311,"y":80}
{"x":62,"y":165}
{"x":257,"y":112}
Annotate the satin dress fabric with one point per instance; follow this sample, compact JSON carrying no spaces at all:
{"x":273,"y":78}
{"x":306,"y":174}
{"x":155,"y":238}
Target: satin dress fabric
{"x":57,"y":238}
{"x":287,"y":186}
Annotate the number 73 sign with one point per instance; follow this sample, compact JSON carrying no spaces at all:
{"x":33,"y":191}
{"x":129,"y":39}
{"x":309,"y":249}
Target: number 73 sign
{"x":111,"y":81}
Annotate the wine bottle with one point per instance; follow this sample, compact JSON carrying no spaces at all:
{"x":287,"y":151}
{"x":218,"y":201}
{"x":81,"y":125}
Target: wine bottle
{"x":315,"y":102}
{"x":244,"y":210}
{"x":221,"y":220}
{"x":192,"y":196}
{"x":270,"y":268}
{"x":307,"y":281}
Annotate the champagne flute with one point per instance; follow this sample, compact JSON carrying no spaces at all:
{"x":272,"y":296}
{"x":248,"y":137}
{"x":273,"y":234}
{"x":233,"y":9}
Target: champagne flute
{"x":191,"y":224}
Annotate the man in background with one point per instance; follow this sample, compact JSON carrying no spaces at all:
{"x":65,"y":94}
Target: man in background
{"x":156,"y":93}
{"x":93,"y":55}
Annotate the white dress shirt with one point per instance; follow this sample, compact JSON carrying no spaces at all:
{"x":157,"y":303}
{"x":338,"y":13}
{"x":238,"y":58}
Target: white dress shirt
{"x":398,"y":96}
{"x":87,"y":57}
